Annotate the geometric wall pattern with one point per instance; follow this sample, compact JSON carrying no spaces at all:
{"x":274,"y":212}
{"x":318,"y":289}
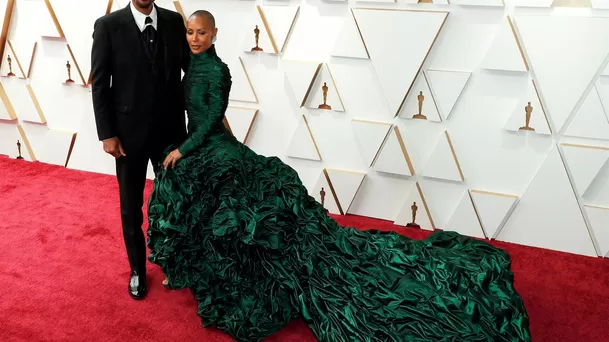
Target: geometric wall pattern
{"x":485,"y":117}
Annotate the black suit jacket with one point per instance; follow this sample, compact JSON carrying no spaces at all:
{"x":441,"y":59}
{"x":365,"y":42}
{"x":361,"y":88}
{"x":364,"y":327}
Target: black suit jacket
{"x":121,"y":86}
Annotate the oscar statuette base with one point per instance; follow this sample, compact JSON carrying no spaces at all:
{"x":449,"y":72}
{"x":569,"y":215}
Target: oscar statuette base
{"x":525,"y":128}
{"x":257,"y":49}
{"x":324,"y":106}
{"x":69,"y":80}
{"x":20,"y":157}
{"x":419,"y":116}
{"x":10,"y":74}
{"x":413,"y":225}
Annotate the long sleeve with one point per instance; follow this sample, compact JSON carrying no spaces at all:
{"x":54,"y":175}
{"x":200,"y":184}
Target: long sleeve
{"x":101,"y":73}
{"x":209,"y":105}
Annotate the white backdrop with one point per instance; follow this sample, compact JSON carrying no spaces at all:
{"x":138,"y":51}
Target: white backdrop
{"x":478,"y":63}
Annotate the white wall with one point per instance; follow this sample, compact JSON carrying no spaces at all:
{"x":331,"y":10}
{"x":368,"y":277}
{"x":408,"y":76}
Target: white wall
{"x":467,"y":166}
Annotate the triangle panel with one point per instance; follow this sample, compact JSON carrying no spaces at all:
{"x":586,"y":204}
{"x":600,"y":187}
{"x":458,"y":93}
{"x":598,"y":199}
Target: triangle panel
{"x":24,"y":100}
{"x":599,"y":222}
{"x":7,"y":111}
{"x":548,"y":214}
{"x":301,"y":77}
{"x":563,"y":42}
{"x":529,"y":106}
{"x":241,"y":89}
{"x":51,"y":146}
{"x":464,"y":219}
{"x":323,"y":194}
{"x":370,"y":136}
{"x":505,"y":53}
{"x":584,"y":163}
{"x":324,"y":84}
{"x":393,"y":157}
{"x":349,"y":42}
{"x":303,"y":144}
{"x":241,"y":121}
{"x":345,"y":184}
{"x":493,"y":210}
{"x":12,"y":134}
{"x":443,"y":163}
{"x":415,"y":210}
{"x":420,"y":103}
{"x":398,"y":64}
{"x":280,"y":21}
{"x":590,"y":120}
{"x":76,"y":19}
{"x":446,"y":87}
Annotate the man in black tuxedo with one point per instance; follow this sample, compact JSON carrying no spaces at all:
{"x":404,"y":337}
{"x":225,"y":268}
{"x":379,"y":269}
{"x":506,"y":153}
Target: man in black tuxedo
{"x":137,"y":57}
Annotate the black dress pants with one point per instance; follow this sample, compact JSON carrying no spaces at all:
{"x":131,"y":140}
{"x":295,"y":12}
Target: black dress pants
{"x":131,"y":174}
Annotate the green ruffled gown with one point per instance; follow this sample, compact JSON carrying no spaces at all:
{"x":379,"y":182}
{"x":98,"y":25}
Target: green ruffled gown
{"x":241,"y":232}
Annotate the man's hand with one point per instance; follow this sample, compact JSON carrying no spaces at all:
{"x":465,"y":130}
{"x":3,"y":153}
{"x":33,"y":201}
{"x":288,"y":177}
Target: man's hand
{"x":114,"y":148}
{"x":172,"y":158}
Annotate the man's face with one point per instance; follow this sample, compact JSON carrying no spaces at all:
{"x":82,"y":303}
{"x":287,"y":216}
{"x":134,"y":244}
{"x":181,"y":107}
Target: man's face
{"x":143,"y":4}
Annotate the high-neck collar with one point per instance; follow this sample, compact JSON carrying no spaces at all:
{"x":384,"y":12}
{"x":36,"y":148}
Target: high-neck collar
{"x":206,"y":55}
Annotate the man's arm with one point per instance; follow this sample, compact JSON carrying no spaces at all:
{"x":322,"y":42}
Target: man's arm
{"x":185,"y":47}
{"x":101,"y":73}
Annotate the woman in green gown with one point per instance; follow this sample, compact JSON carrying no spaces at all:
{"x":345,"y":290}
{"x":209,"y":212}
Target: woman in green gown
{"x":241,"y":232}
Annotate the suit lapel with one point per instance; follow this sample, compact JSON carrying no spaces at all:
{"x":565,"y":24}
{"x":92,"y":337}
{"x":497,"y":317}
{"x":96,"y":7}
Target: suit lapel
{"x":132,"y":33}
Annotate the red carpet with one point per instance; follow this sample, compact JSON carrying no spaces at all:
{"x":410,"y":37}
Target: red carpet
{"x":63,"y":272}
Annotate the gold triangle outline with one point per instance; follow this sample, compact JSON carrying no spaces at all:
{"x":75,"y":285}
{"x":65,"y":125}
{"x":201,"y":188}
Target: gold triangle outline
{"x":306,"y":122}
{"x":477,"y":215}
{"x":452,"y":150}
{"x":74,"y":135}
{"x":426,"y":206}
{"x":518,"y":42}
{"x":8,"y":14}
{"x":12,"y":114}
{"x":30,"y":91}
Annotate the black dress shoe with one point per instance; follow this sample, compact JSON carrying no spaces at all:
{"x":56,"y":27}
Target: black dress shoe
{"x":137,"y":285}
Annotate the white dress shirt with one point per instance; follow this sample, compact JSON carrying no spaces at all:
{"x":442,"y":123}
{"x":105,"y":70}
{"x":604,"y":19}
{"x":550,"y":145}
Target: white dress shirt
{"x":140,"y":18}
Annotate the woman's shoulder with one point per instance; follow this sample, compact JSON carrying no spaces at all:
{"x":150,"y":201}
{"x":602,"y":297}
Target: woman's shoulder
{"x":220,"y":68}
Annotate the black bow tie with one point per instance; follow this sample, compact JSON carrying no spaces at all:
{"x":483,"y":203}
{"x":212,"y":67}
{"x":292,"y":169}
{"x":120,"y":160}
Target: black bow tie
{"x":148,"y":21}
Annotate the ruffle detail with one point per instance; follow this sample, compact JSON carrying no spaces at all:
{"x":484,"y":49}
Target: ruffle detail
{"x":241,"y":231}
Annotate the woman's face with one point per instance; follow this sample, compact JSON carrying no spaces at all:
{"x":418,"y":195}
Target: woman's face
{"x":199,"y":34}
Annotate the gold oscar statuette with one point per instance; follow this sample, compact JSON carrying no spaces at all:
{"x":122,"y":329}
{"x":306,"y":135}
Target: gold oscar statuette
{"x":528,"y":110}
{"x":69,"y":67}
{"x":325,"y":105}
{"x":10,"y":66}
{"x":322,"y":195}
{"x":19,"y":150}
{"x":413,"y":209}
{"x":420,"y":98}
{"x":257,"y":36}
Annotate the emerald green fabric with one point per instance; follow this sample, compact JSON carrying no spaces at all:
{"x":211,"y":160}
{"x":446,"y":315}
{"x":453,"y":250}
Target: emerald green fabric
{"x":242,"y":233}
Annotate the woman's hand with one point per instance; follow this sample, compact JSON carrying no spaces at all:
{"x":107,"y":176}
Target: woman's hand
{"x":172,"y":158}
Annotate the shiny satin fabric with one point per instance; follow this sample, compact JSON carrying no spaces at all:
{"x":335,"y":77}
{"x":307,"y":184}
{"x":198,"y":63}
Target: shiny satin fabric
{"x":242,"y":233}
